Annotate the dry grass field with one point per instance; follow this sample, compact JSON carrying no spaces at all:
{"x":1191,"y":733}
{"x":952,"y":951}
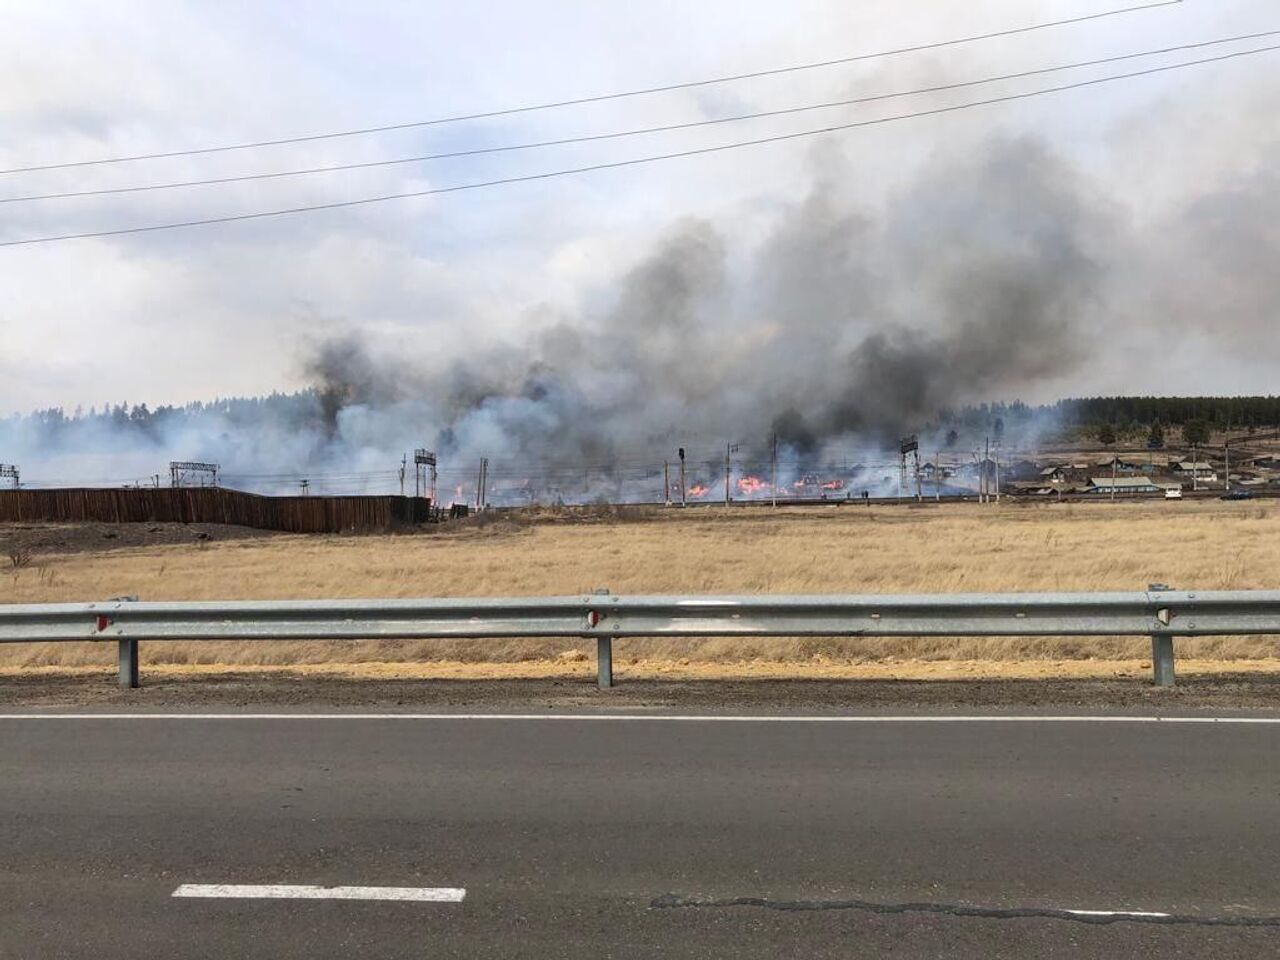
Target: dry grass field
{"x":851,"y":549}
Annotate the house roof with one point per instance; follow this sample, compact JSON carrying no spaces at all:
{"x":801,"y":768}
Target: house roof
{"x":1122,"y":482}
{"x":1198,"y":465}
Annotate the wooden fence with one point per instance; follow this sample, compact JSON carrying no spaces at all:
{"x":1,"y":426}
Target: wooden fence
{"x":214,"y":505}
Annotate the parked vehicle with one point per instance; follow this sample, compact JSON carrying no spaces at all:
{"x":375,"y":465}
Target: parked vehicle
{"x":1237,"y":495}
{"x":1173,"y":493}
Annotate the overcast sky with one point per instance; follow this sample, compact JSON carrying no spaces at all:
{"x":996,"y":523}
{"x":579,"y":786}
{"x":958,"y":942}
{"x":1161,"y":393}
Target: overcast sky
{"x":237,"y":308}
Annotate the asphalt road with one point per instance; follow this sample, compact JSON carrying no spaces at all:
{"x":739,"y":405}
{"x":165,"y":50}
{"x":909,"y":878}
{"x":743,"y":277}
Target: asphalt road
{"x":606,"y":838}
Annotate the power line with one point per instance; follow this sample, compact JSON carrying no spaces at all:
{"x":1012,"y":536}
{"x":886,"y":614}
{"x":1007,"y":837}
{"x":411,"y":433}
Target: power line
{"x":666,"y":128}
{"x":598,"y":98}
{"x":634,"y":161}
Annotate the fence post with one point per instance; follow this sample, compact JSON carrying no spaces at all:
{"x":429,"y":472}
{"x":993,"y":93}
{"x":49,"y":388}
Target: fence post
{"x":128,"y":664}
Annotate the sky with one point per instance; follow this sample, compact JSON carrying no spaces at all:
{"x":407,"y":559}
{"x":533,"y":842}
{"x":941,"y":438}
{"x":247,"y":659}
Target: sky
{"x":1176,"y":172}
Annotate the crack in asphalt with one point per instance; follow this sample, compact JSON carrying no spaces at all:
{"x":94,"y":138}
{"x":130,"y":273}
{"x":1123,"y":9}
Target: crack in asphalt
{"x":671,"y":901}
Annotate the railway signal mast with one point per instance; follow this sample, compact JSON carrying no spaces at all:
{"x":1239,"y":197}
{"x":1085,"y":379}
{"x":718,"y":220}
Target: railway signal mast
{"x":424,"y":474}
{"x":10,"y":472}
{"x":909,"y":445}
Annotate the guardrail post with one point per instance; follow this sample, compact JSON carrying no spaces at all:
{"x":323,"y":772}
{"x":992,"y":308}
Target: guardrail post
{"x":604,"y":648}
{"x":129,"y":664}
{"x":1162,"y":644}
{"x":1162,"y":659}
{"x":604,"y":662}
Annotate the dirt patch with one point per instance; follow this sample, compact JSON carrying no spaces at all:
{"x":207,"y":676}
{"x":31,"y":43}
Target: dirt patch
{"x":571,"y":685}
{"x":573,"y":665}
{"x":71,"y":538}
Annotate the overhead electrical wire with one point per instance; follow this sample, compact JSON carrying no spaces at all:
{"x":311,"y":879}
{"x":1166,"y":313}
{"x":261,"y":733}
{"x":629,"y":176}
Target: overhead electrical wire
{"x":598,"y":98}
{"x":666,"y":128}
{"x":635,"y":161}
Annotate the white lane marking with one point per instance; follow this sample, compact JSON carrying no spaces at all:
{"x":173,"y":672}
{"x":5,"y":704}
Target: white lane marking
{"x":635,"y":718}
{"x":1116,"y":913}
{"x":289,"y":891}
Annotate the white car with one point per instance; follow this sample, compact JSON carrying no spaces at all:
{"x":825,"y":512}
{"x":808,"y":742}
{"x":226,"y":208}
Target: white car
{"x":1173,"y":493}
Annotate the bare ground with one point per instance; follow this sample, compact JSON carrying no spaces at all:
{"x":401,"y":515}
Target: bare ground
{"x":233,"y":689}
{"x":46,"y":540}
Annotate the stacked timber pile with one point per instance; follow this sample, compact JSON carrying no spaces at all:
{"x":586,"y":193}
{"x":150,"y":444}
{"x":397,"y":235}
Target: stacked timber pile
{"x":214,"y":505}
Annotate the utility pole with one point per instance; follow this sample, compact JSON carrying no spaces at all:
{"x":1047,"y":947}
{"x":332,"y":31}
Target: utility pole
{"x":986,"y":480}
{"x":481,"y":480}
{"x":937,"y":477}
{"x":997,"y":468}
{"x":666,"y":482}
{"x":1226,"y":468}
{"x":1114,"y":461}
{"x":1195,"y":467}
{"x":729,"y":450}
{"x":773,"y":484}
{"x":728,"y":466}
{"x":404,"y":465}
{"x":683,"y":498}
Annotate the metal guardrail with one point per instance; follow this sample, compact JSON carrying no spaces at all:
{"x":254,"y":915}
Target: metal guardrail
{"x":1157,"y":612}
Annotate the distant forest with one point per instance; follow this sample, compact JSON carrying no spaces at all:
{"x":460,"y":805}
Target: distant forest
{"x":301,"y":410}
{"x":1221,"y":413}
{"x":1112,"y":417}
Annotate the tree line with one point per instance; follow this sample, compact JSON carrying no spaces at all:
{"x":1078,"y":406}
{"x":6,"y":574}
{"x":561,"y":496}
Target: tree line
{"x":1220,"y":413}
{"x":1103,"y":418}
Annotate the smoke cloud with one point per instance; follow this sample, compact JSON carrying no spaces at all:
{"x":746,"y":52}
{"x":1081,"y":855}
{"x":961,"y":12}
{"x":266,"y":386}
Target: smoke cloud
{"x":833,"y":324}
{"x":838,"y":326}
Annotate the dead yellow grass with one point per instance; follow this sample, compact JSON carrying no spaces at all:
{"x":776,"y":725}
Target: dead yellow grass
{"x":851,"y":549}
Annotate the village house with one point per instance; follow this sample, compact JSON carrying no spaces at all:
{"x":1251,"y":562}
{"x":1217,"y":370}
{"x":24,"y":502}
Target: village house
{"x":1121,"y":466}
{"x":1198,"y":470}
{"x":1124,"y":486}
{"x":1055,"y":474}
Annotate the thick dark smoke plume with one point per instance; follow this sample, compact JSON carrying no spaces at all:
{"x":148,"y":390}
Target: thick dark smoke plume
{"x":838,"y":325}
